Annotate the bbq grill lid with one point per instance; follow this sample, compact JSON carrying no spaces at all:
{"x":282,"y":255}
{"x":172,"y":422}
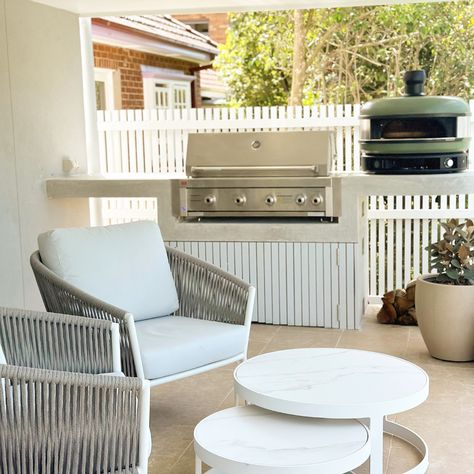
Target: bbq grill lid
{"x":294,"y":153}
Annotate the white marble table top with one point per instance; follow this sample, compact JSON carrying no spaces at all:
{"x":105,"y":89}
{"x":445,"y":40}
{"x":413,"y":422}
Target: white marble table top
{"x":331,"y":383}
{"x":249,"y":439}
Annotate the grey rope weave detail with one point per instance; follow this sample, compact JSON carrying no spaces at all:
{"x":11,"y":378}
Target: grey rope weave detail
{"x":57,"y":422}
{"x":56,"y":341}
{"x":206,"y":291}
{"x":61,"y":297}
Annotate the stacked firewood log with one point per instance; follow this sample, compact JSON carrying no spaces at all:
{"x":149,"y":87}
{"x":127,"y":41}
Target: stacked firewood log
{"x":399,"y":307}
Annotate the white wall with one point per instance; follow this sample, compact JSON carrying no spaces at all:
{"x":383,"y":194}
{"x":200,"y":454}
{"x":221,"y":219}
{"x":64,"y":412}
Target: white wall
{"x":10,"y":250}
{"x":41,"y":121}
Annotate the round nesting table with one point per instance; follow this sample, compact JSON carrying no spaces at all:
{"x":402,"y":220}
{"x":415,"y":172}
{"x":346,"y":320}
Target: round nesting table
{"x":252,"y":440}
{"x":339,"y":384}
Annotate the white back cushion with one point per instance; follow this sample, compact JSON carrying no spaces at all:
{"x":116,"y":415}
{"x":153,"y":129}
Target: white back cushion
{"x":124,"y":265}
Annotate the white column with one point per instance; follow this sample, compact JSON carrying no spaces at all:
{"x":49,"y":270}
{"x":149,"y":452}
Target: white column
{"x":90,"y":112}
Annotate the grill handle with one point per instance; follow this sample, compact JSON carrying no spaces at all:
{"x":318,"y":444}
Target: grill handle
{"x":250,"y":171}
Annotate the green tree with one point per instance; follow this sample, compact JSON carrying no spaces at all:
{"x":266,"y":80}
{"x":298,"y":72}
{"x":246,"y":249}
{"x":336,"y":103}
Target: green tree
{"x":256,"y":58}
{"x":347,"y":54}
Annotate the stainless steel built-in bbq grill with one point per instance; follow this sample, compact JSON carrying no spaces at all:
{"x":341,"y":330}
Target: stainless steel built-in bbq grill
{"x":258,"y":174}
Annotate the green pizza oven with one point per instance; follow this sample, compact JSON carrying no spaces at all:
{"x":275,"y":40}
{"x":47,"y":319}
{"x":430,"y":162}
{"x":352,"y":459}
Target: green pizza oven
{"x":415,"y":133}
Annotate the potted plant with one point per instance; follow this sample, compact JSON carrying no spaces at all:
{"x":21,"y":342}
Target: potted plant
{"x":445,"y":299}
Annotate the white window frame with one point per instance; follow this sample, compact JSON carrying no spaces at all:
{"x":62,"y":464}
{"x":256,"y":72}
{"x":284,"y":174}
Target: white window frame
{"x":107,"y":77}
{"x":149,"y":87}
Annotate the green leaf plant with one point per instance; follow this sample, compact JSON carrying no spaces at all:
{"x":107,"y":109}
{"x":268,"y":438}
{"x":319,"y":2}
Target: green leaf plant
{"x":453,"y":256}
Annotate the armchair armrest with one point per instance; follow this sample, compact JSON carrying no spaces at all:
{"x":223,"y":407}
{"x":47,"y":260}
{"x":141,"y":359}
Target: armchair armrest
{"x":70,"y":422}
{"x":208,"y":292}
{"x":59,"y":342}
{"x":61,"y":297}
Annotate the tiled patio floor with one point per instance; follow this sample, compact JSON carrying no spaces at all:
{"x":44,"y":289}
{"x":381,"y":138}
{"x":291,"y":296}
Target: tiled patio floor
{"x":446,"y":420}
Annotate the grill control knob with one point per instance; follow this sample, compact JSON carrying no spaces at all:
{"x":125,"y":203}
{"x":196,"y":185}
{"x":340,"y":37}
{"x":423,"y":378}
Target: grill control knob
{"x":316,"y":200}
{"x":448,"y":163}
{"x":240,"y":200}
{"x":210,"y":199}
{"x":270,"y":200}
{"x":300,"y":199}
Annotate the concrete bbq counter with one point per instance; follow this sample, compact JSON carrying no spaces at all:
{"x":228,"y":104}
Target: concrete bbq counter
{"x":354,"y":187}
{"x":307,"y":273}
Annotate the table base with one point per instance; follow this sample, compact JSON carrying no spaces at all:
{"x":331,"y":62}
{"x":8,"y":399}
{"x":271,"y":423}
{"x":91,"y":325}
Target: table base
{"x":378,"y":428}
{"x":215,"y":471}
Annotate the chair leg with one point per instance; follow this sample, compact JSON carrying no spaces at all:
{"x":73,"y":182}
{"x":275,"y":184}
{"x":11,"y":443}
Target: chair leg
{"x":237,"y":401}
{"x":198,"y":469}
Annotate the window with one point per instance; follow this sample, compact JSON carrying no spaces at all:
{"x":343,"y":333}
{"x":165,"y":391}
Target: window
{"x":181,"y":96}
{"x":199,"y":25}
{"x":104,"y":88}
{"x":100,"y":99}
{"x":166,"y":94}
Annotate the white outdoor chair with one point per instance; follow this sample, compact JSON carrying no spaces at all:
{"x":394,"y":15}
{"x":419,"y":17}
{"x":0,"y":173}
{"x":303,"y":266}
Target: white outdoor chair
{"x":178,"y":315}
{"x":65,"y":407}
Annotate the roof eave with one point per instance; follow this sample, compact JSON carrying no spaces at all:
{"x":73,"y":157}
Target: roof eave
{"x":124,"y":23}
{"x":107,"y":32}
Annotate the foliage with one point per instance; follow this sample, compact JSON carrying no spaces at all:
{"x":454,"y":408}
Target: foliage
{"x":352,"y":54}
{"x":256,"y":59}
{"x":453,"y":256}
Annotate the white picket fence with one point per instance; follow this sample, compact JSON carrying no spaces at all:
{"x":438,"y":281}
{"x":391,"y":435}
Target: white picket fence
{"x":137,"y":142}
{"x":400,"y":229}
{"x":154,"y":141}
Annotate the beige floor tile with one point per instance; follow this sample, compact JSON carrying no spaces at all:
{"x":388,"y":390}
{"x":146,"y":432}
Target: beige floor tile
{"x":402,"y":458}
{"x":448,"y":429}
{"x":389,"y":340}
{"x":256,"y":348}
{"x":292,"y":337}
{"x":263,"y":332}
{"x":162,"y":464}
{"x":446,"y":420}
{"x":453,"y":385}
{"x":186,"y":464}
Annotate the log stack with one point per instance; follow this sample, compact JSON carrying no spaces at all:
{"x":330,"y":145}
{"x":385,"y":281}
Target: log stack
{"x":399,"y":307}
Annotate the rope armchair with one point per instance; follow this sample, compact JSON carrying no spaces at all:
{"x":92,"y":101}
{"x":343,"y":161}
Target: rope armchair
{"x":215,"y":301}
{"x":57,"y":413}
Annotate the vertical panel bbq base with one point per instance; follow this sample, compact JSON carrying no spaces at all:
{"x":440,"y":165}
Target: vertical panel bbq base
{"x":298,"y":283}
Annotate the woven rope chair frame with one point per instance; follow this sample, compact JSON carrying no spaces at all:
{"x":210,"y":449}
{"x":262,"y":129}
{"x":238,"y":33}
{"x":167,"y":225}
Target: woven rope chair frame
{"x":204,"y":292}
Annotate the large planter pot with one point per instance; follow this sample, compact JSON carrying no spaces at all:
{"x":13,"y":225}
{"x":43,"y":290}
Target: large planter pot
{"x":445,"y":316}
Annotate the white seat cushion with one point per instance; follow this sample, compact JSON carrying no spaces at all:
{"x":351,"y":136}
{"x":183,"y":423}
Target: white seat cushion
{"x":124,"y":265}
{"x":175,"y":344}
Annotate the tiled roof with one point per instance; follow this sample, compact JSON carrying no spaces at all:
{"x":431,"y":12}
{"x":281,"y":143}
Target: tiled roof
{"x":168,"y":28}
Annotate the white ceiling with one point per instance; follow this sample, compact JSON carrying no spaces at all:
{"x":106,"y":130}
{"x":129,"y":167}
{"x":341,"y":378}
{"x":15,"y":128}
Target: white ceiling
{"x":118,"y":7}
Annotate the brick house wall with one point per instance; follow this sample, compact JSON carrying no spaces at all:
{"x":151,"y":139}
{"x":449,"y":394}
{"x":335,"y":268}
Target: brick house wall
{"x":218,"y":23}
{"x":128,"y":62}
